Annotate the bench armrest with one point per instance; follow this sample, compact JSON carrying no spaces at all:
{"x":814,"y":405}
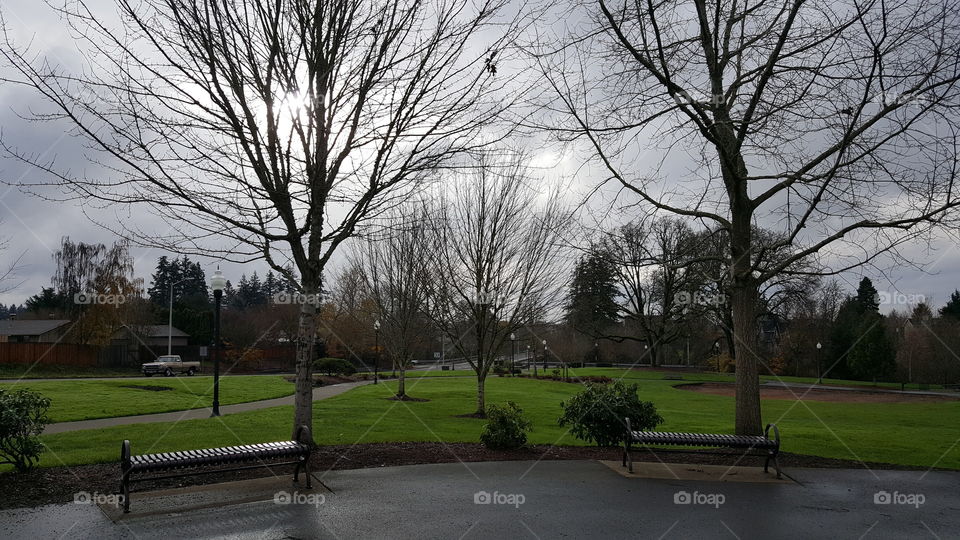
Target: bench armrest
{"x":776,"y":434}
{"x":304,"y":436}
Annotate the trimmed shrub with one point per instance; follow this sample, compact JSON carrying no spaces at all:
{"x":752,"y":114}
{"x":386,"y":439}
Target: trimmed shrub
{"x":23,"y":415}
{"x":597,"y":413}
{"x":334,"y":366}
{"x":506,"y":427}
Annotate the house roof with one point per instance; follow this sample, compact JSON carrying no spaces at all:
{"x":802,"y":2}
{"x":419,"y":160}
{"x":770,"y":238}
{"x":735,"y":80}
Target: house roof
{"x":159,"y":330}
{"x":20,"y":327}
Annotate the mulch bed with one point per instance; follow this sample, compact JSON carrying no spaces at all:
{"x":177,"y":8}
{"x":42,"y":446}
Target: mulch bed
{"x":58,"y":484}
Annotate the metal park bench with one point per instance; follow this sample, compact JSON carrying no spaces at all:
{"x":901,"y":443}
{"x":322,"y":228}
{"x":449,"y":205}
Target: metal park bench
{"x":759,"y":445}
{"x":230,"y":458}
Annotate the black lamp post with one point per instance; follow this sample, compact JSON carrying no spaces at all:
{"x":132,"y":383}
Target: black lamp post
{"x":376,"y":351}
{"x":217,"y":283}
{"x":819,"y":374}
{"x":544,"y":357}
{"x":534,"y":363}
{"x":513,"y":351}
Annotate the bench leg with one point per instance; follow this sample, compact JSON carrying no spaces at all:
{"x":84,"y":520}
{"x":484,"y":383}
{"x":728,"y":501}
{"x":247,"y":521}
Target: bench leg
{"x":306,"y":469}
{"x":776,"y":464}
{"x":125,"y":491}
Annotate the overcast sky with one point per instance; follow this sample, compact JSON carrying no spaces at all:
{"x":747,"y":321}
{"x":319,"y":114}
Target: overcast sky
{"x":34,"y":226}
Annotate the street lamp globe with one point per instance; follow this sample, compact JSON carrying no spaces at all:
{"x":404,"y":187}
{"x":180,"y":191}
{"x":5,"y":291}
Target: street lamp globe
{"x":819,"y":346}
{"x":376,"y":325}
{"x":218,"y":282}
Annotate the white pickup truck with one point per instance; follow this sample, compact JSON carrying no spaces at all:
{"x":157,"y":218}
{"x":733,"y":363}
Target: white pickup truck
{"x":169,"y":365}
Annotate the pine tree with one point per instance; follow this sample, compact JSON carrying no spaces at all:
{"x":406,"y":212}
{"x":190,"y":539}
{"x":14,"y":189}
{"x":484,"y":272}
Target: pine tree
{"x":861,"y":348}
{"x":867,"y":298}
{"x":952,"y":309}
{"x":159,"y":289}
{"x":592,"y":297}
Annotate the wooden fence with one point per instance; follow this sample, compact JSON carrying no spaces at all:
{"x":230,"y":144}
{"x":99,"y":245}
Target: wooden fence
{"x":61,"y":354}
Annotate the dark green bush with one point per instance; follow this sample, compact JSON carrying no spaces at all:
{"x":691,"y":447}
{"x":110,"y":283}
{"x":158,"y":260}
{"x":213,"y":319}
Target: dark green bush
{"x":506,"y":427}
{"x":597,"y":413}
{"x":334,"y":366}
{"x":23,"y":415}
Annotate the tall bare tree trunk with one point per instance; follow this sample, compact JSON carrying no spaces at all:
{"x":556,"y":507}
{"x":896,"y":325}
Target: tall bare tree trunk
{"x":401,"y":383}
{"x":481,"y":395}
{"x":743,"y":302}
{"x":303,"y":396}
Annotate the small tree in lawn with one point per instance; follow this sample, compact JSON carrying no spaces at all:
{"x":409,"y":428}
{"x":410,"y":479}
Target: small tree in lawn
{"x":494,"y":242}
{"x":394,"y":269}
{"x":23,"y":415}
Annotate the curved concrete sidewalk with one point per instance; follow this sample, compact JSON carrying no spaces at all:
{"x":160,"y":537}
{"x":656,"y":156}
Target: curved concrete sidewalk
{"x":522,"y":499}
{"x":322,"y":392}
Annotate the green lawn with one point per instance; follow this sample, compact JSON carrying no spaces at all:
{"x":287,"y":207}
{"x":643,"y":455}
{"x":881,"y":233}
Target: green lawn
{"x":85,"y":400}
{"x":648,"y":374}
{"x":922,"y":434}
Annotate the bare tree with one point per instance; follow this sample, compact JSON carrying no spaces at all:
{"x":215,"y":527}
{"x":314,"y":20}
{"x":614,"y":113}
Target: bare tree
{"x":279,"y":126}
{"x":833,"y":121}
{"x":9,"y":270}
{"x":395,"y":272}
{"x":651,"y":262}
{"x":495,"y":267}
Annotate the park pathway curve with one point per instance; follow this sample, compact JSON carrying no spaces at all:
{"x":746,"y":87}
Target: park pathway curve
{"x":319,"y":393}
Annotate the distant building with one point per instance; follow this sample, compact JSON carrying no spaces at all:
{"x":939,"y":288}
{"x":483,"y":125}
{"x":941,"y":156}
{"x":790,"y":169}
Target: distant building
{"x":38,"y":331}
{"x":151,"y":335}
{"x":135,"y":344}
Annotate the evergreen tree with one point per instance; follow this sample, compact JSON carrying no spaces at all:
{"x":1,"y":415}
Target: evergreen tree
{"x":952,"y":309}
{"x":873,"y":356}
{"x":867,"y":298}
{"x":160,"y":287}
{"x":592,"y":296}
{"x":48,"y":299}
{"x":861,"y":348}
{"x":921,"y":313}
{"x":189,"y":279}
{"x":843,"y":335}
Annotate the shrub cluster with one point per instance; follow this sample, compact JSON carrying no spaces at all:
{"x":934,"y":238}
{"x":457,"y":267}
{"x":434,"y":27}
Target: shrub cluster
{"x":23,"y":415}
{"x":597,"y":413}
{"x":334,"y":366}
{"x":506,"y":427}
